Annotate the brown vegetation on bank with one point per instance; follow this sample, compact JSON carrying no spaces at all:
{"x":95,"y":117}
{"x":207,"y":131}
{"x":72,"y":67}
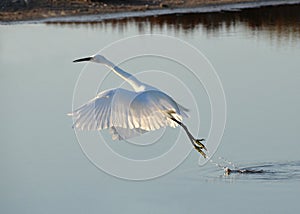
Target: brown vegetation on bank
{"x":14,"y":10}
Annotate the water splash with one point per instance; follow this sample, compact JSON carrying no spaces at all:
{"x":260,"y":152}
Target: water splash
{"x":267,"y":171}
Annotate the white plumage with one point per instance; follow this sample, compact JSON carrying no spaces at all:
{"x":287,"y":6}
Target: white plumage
{"x":130,"y":113}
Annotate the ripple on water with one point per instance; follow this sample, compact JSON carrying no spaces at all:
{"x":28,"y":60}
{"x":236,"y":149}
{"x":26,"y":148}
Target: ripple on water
{"x":267,"y":171}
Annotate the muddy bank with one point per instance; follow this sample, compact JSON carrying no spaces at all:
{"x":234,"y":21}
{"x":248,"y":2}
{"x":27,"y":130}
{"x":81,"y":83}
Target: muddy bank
{"x":56,"y":10}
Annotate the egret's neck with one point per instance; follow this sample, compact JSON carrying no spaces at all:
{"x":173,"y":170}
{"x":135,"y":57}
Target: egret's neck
{"x":134,"y":82}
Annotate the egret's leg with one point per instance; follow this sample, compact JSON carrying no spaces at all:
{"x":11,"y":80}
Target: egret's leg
{"x":196,"y":142}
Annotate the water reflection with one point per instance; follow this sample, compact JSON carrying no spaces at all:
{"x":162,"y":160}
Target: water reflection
{"x":281,"y":21}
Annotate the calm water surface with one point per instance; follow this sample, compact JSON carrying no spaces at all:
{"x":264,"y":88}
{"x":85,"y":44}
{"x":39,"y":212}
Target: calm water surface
{"x":255,"y":53}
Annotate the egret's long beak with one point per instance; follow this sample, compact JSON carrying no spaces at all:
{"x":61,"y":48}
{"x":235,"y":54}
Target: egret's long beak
{"x":83,"y":59}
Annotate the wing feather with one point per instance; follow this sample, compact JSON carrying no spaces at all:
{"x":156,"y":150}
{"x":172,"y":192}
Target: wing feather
{"x":127,"y":113}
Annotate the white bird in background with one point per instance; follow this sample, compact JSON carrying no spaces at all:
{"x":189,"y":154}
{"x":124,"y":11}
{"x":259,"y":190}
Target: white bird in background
{"x":130,"y":113}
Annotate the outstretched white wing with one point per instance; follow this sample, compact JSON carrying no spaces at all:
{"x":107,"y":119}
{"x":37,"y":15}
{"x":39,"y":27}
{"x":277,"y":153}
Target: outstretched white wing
{"x":128,"y":114}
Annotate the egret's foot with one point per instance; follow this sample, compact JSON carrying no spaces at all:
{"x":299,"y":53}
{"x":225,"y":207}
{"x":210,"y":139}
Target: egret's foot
{"x":200,"y":151}
{"x":201,"y":145}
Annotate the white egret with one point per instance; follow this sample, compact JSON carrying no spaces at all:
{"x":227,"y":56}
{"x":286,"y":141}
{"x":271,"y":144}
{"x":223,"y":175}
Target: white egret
{"x":130,"y":113}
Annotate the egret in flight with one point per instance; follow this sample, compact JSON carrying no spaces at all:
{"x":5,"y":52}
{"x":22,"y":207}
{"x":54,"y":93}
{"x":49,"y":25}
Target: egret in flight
{"x":130,"y":113}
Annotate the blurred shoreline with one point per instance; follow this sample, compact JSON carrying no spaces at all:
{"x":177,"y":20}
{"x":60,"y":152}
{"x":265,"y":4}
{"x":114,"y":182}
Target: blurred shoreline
{"x":12,"y":11}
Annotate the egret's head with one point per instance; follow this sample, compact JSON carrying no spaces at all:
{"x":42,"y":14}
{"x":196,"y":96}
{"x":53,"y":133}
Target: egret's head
{"x":96,"y":58}
{"x":99,"y":59}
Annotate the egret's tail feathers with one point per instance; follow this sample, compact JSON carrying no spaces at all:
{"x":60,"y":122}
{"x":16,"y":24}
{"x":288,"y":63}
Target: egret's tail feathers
{"x":183,"y":108}
{"x":183,"y":111}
